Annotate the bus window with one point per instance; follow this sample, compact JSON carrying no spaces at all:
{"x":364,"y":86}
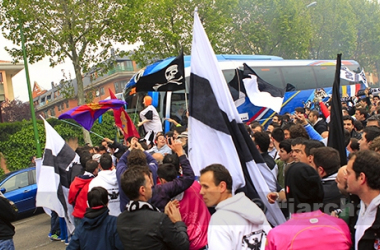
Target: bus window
{"x":271,"y":75}
{"x":325,"y":75}
{"x":178,"y":106}
{"x":229,"y":74}
{"x":301,"y":77}
{"x":134,"y":100}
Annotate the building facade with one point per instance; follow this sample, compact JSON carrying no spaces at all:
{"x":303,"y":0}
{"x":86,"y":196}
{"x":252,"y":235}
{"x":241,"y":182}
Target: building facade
{"x":63,"y":96}
{"x":7,"y":71}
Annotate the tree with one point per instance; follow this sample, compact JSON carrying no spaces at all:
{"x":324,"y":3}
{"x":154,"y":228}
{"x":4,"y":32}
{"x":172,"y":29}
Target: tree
{"x":271,"y":27}
{"x":172,"y":27}
{"x":367,"y":50}
{"x":81,"y":30}
{"x":334,"y":30}
{"x":15,"y":110}
{"x":246,"y":26}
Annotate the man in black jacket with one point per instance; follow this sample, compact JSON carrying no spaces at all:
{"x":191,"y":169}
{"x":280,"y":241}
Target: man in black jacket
{"x":348,"y":124}
{"x":8,"y":213}
{"x":143,"y":226}
{"x":262,"y":141}
{"x":317,"y":122}
{"x":327,"y":162}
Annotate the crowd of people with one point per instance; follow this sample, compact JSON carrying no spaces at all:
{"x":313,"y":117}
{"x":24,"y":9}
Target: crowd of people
{"x":143,"y":194}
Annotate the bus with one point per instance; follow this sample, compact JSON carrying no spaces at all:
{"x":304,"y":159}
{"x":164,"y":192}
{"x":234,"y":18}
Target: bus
{"x":305,"y":81}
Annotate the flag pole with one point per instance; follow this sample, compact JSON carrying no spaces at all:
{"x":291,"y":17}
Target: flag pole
{"x":77,"y":126}
{"x":32,"y":111}
{"x":186,"y":101}
{"x":183,"y":69}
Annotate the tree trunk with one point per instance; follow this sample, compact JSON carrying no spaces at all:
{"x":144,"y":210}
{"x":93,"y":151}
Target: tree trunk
{"x":80,"y":95}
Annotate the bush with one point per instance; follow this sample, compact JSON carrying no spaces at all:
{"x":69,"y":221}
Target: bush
{"x":106,"y":129}
{"x":18,"y":143}
{"x":21,"y":145}
{"x":9,"y":128}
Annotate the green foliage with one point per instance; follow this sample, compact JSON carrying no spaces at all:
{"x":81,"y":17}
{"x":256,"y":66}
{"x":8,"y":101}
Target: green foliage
{"x":82,"y":31}
{"x":7,"y":129}
{"x":67,"y":131}
{"x":66,"y":89}
{"x":18,"y":143}
{"x":172,"y":26}
{"x":21,"y":145}
{"x":106,"y":129}
{"x":292,"y":29}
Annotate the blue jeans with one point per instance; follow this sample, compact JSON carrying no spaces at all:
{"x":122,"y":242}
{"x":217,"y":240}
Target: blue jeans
{"x":77,"y":221}
{"x":7,"y":244}
{"x":54,"y":223}
{"x":62,"y":224}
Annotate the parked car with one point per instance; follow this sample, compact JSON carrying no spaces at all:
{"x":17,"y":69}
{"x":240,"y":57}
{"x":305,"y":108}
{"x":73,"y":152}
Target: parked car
{"x":20,"y":186}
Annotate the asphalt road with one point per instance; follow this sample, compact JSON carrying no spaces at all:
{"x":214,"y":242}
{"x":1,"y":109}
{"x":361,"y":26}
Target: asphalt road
{"x":32,"y":233}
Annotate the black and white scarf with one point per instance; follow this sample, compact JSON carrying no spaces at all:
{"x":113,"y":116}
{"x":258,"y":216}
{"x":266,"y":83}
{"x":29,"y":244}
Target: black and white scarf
{"x":140,"y":205}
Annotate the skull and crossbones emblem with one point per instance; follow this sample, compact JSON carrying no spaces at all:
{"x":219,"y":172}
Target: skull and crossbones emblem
{"x":170,"y":75}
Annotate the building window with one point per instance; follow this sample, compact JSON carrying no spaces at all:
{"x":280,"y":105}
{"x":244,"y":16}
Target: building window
{"x":62,"y":107}
{"x":125,"y":66}
{"x":59,"y":107}
{"x":52,"y":112}
{"x":119,"y":86}
{"x":1,"y":77}
{"x":45,"y":113}
{"x":67,"y":104}
{"x":102,"y":91}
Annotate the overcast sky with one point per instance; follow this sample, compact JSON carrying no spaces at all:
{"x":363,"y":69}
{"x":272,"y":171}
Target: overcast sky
{"x":39,"y":72}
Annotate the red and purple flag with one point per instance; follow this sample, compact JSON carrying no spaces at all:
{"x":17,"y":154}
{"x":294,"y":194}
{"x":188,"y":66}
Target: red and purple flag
{"x":123,"y":121}
{"x":86,"y":114}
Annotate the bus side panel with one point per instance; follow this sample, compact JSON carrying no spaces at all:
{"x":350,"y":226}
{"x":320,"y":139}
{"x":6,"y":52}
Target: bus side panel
{"x":292,"y":100}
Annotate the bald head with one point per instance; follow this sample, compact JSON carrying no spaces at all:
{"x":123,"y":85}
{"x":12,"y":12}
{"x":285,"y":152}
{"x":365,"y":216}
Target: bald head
{"x":341,"y":180}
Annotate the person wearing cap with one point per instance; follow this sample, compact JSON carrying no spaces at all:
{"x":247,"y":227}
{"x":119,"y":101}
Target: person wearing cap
{"x":150,"y":119}
{"x":183,"y":138}
{"x":304,"y":195}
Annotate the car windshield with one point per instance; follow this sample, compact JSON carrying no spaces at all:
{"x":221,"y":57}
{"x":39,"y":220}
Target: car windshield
{"x":3,"y":177}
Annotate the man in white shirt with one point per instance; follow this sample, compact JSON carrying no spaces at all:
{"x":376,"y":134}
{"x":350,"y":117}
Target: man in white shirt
{"x":363,"y":179}
{"x":238,"y":223}
{"x":107,"y":179}
{"x":150,"y":119}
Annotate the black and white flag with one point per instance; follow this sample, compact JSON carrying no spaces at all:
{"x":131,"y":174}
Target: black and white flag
{"x":53,"y":179}
{"x":347,"y":74}
{"x":162,"y":76}
{"x":216,"y":133}
{"x":261,"y":93}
